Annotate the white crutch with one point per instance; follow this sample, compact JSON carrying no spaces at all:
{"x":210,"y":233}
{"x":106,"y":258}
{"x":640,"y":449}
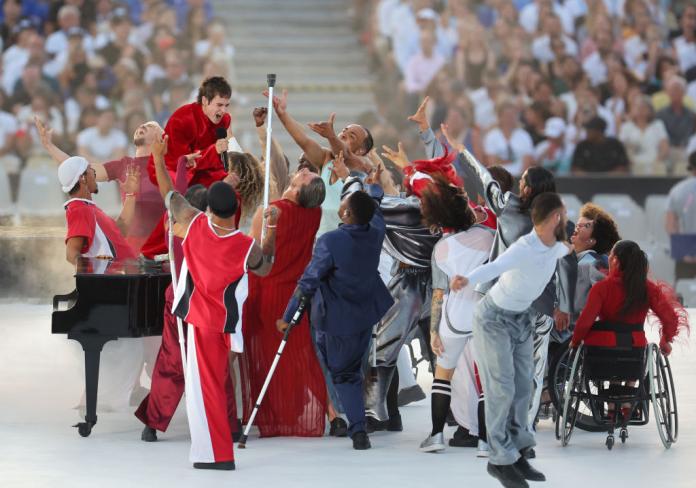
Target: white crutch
{"x":271,"y":78}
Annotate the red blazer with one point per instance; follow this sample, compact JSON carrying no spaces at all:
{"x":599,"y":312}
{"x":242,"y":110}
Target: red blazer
{"x":605,"y":301}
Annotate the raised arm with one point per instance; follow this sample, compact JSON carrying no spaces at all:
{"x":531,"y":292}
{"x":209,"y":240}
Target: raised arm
{"x":314,"y":153}
{"x":182,"y":212}
{"x":279,"y":162}
{"x":477,"y":175}
{"x":46,"y":138}
{"x":433,"y":147}
{"x":130,"y":190}
{"x":260,"y":260}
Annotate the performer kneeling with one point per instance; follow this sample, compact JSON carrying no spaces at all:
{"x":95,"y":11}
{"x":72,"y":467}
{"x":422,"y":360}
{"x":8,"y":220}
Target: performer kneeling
{"x":348,"y":298}
{"x":503,"y":335}
{"x":209,"y":297}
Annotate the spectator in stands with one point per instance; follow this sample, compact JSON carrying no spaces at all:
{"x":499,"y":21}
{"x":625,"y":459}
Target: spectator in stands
{"x":16,"y":56}
{"x":685,"y":44}
{"x":12,"y":11}
{"x":681,"y":216}
{"x":555,"y":153}
{"x":119,"y":44}
{"x":508,"y":144}
{"x":599,"y":153}
{"x":596,"y":63}
{"x":542,"y":47}
{"x":423,"y":66}
{"x":8,"y":129}
{"x":646,"y":140}
{"x":679,"y":122}
{"x":214,"y":45}
{"x":104,"y":142}
{"x":68,"y":18}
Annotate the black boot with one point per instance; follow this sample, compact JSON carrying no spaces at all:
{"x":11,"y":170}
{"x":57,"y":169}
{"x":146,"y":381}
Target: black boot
{"x":338,"y":428}
{"x":508,"y":476}
{"x":238,"y":434}
{"x":149,"y":434}
{"x":526,"y":470}
{"x":394,"y":423}
{"x":411,"y":394}
{"x":360,"y":441}
{"x":463,"y":438}
{"x":528,"y":453}
{"x":374,"y":425}
{"x":222,"y":465}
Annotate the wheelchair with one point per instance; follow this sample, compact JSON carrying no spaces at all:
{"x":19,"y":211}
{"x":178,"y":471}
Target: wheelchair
{"x":600,"y":378}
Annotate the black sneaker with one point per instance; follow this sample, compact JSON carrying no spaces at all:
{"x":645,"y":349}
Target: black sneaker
{"x":338,"y":428}
{"x":394,"y":423}
{"x":222,"y":466}
{"x":374,"y":425}
{"x":462,"y":438}
{"x":508,"y":476}
{"x":149,"y":434}
{"x":237,"y":435}
{"x":409,"y":395}
{"x":526,"y":470}
{"x":360,"y":441}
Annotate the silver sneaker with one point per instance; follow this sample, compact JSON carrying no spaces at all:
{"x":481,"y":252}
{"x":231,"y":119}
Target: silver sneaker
{"x":482,"y":450}
{"x":433,"y":443}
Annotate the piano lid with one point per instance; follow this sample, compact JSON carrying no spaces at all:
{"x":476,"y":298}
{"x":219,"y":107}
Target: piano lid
{"x":120,"y":267}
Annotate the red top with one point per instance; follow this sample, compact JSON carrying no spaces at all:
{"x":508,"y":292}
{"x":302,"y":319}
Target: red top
{"x":295,"y":402}
{"x":148,"y":201}
{"x":492,"y":221}
{"x":190,"y":130}
{"x":605,"y":301}
{"x":102,"y":236}
{"x":212,"y":287}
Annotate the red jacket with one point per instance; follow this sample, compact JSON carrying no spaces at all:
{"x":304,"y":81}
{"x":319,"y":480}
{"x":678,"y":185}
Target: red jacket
{"x":189,"y":130}
{"x":605,"y":301}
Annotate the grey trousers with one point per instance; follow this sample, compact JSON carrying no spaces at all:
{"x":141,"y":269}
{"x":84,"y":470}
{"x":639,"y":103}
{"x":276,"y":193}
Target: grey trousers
{"x":503,"y":342}
{"x":543,"y":324}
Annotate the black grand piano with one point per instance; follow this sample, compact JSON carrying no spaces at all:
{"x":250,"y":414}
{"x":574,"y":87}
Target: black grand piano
{"x":111,"y":299}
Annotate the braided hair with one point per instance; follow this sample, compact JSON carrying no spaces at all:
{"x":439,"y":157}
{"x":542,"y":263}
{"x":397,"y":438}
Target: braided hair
{"x":251,"y":180}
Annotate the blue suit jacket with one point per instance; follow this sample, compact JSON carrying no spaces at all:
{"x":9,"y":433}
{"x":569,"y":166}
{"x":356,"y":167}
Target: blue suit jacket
{"x":347,"y":293}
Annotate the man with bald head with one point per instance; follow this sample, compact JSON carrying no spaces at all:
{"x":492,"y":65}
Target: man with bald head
{"x":354,"y":141}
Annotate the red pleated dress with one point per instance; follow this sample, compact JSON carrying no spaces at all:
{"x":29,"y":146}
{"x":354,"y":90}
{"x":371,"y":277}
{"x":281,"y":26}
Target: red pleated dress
{"x":295,"y":402}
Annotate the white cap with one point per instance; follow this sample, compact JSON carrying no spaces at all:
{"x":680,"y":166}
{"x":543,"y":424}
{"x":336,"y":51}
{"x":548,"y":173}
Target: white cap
{"x":555,"y":127}
{"x":70,"y":171}
{"x":426,"y":14}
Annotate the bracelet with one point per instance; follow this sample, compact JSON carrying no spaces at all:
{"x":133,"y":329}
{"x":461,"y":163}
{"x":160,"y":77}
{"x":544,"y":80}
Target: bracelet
{"x":271,"y":226}
{"x":131,"y":194}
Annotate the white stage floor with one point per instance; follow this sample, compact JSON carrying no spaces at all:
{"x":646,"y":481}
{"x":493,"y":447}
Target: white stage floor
{"x":41,"y":381}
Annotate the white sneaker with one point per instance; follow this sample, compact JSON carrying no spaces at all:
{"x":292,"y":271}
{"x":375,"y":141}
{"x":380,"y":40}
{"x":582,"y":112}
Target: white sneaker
{"x":433,"y":443}
{"x":482,"y":450}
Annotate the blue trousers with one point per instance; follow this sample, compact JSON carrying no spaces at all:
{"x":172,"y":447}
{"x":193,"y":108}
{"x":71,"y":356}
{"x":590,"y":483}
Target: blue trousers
{"x":343,"y":356}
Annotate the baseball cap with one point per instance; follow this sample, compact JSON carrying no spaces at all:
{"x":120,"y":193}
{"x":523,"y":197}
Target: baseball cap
{"x":70,"y":170}
{"x":555,"y":127}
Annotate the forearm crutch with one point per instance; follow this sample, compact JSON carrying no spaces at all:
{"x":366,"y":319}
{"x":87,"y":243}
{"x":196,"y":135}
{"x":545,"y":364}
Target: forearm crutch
{"x":293,"y":322}
{"x":271,"y":78}
{"x":172,"y":269}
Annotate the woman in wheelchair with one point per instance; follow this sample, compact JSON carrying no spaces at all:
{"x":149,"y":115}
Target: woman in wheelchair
{"x":622,"y":302}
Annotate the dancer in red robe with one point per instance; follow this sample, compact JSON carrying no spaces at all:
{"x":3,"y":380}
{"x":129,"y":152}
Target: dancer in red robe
{"x":295,"y":402}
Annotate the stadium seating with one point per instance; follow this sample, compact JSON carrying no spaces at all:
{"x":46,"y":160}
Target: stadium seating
{"x":629,"y":216}
{"x":6,"y":206}
{"x":655,"y":208}
{"x":661,"y":264}
{"x":40,"y":196}
{"x":687,"y":289}
{"x":572,"y":204}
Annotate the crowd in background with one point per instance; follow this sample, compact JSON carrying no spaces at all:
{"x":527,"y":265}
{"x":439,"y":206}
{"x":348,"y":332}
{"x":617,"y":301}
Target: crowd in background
{"x":96,"y":70}
{"x":576,"y":86}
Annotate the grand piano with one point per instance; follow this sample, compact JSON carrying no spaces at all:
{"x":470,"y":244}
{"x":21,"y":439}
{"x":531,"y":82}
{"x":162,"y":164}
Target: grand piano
{"x":111,"y":299}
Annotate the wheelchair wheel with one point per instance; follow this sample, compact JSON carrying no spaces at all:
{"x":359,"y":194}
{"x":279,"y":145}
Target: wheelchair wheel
{"x":571,"y":398}
{"x":559,"y":367}
{"x":663,"y":396}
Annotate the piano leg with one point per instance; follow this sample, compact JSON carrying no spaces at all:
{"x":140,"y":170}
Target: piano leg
{"x":92,"y":344}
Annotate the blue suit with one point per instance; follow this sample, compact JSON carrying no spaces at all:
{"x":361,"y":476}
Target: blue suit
{"x":348,"y":298}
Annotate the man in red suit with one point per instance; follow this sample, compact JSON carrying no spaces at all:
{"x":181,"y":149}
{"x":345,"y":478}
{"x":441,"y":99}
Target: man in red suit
{"x":193,"y":128}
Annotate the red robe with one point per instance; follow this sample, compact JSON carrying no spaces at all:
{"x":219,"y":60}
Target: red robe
{"x":189,"y":130}
{"x":605,"y":301}
{"x":295,"y":402}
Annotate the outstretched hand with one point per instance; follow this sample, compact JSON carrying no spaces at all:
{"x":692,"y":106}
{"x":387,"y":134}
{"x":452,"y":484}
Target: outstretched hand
{"x":159,"y":146}
{"x":339,"y":169}
{"x":260,"y":114}
{"x":132,"y":183}
{"x":398,"y":157}
{"x":325,"y":129}
{"x":458,"y":283}
{"x":45,"y":133}
{"x":192,"y":159}
{"x":280,"y":105}
{"x":420,"y":116}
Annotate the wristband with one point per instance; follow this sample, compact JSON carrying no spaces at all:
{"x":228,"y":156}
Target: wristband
{"x":271,"y":226}
{"x":131,"y":194}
